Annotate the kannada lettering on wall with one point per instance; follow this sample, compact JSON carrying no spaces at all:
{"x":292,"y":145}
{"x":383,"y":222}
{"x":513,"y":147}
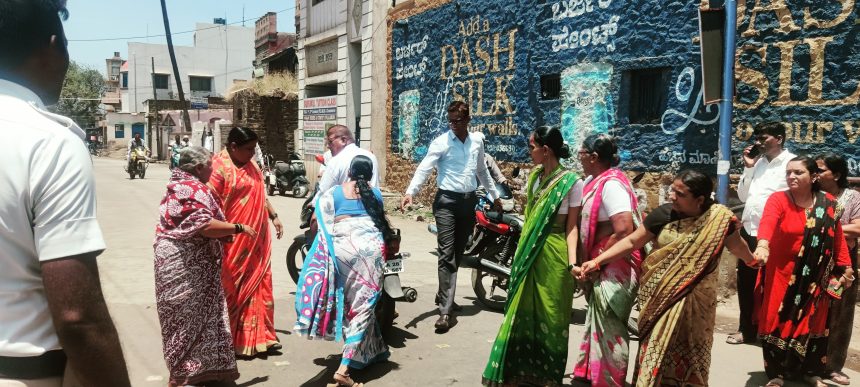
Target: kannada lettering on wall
{"x":794,"y":65}
{"x":574,"y":36}
{"x":586,"y":105}
{"x":458,"y":53}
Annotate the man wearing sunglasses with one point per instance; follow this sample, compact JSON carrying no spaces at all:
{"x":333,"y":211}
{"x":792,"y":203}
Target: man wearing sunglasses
{"x":458,"y":157}
{"x":341,"y":143}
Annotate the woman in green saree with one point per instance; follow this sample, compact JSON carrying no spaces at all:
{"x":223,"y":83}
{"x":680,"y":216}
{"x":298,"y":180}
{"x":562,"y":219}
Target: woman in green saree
{"x":678,"y":284}
{"x":531,"y":346}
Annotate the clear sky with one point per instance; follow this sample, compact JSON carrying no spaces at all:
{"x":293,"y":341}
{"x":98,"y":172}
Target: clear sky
{"x":102,"y":20}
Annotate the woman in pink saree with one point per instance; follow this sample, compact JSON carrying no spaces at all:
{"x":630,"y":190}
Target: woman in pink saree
{"x":247,"y":269}
{"x":608,"y":215}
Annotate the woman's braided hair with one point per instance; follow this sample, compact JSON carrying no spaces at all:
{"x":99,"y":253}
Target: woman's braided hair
{"x":361,"y":171}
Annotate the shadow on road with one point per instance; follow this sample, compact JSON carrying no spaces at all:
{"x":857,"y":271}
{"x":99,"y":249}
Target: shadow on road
{"x":256,"y":380}
{"x":396,"y":337}
{"x":331,"y":362}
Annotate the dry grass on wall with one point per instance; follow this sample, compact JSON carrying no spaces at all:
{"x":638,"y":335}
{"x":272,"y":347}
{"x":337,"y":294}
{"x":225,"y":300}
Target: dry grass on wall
{"x":282,"y":84}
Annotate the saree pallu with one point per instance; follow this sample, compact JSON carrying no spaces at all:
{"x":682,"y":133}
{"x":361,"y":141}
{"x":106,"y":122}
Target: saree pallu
{"x":340,"y":284}
{"x":678,"y":300}
{"x":192,"y":312}
{"x":531,"y":346}
{"x":247,"y":268}
{"x":604,"y":350}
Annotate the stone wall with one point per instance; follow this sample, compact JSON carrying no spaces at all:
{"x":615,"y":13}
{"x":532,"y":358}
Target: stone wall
{"x":274,"y":119}
{"x":794,"y":64}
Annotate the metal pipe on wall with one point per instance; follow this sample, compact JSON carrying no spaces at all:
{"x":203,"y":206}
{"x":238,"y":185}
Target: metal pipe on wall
{"x":725,"y":144}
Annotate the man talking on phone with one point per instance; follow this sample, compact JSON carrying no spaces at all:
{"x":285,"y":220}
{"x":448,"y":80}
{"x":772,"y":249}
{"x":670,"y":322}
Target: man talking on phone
{"x":764,"y":174}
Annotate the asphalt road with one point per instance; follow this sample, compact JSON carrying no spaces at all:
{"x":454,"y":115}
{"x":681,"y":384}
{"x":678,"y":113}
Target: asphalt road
{"x":419,"y":356}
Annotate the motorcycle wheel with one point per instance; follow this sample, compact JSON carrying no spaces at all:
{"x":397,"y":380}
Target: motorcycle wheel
{"x":296,"y":259}
{"x":300,"y":191}
{"x":482,"y":282}
{"x":131,"y":175}
{"x":282,"y":192}
{"x":142,"y":173}
{"x":385,"y":313}
{"x":270,"y":189}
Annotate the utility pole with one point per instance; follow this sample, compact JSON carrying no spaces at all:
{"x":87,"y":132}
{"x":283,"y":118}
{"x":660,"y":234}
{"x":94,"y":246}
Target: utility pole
{"x":155,"y":107}
{"x":186,"y":119}
{"x":725,"y":144}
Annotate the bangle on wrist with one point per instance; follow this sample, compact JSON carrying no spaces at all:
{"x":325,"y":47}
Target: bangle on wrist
{"x":570,"y":267}
{"x":237,"y":228}
{"x":273,"y":217}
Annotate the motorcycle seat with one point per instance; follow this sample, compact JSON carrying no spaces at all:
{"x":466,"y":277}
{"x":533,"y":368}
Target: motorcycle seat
{"x":509,"y":219}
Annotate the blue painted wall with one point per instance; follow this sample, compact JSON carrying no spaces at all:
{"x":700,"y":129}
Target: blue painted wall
{"x":593,"y":45}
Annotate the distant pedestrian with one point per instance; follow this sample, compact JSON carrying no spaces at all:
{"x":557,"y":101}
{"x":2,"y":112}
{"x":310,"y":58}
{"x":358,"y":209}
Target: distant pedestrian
{"x":764,"y":174}
{"x":345,"y":271}
{"x":833,"y":177}
{"x":55,"y":328}
{"x":678,"y":293}
{"x":195,"y":326}
{"x":609,"y":213}
{"x":458,"y":157}
{"x":807,"y":259}
{"x":531,"y":346}
{"x":247,"y":266}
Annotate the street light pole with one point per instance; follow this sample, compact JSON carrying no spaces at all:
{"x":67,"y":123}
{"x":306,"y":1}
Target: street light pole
{"x":725,"y":145}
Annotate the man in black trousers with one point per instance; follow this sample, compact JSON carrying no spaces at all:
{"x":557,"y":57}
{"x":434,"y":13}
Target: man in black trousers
{"x":458,"y":157}
{"x":764,"y":174}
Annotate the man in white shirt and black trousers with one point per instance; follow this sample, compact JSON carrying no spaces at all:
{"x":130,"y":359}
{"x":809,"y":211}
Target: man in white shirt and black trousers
{"x":55,"y":328}
{"x":458,"y":157}
{"x":764,"y":174}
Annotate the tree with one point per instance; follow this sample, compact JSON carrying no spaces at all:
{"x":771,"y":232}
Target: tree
{"x":81,"y":95}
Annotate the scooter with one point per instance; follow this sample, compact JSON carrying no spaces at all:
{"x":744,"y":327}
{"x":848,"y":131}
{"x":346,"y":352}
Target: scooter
{"x":288,"y":176}
{"x":137,"y":163}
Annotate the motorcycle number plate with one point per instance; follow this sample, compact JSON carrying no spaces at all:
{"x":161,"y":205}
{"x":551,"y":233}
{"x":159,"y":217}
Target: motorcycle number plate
{"x":393,"y":266}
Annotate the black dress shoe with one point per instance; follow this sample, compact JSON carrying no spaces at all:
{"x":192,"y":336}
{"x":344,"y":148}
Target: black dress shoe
{"x":445,"y":322}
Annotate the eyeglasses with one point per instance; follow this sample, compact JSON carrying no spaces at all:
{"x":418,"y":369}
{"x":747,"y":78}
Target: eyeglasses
{"x":459,"y":120}
{"x":330,"y":140}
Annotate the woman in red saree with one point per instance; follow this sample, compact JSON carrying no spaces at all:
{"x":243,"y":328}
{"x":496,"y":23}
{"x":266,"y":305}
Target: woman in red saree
{"x":807,"y":261}
{"x":247,"y":269}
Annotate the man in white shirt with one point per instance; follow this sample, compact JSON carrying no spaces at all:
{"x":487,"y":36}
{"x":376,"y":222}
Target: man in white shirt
{"x":341,"y":143}
{"x":458,"y":157}
{"x":764,"y":174}
{"x":53,"y":317}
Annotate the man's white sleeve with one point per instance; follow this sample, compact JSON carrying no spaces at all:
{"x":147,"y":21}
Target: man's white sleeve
{"x":63,"y":200}
{"x":434,"y":152}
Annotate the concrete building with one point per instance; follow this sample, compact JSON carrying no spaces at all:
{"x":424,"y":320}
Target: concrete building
{"x":341,"y":72}
{"x":275,"y":51}
{"x":220,"y":56}
{"x":112,"y":97}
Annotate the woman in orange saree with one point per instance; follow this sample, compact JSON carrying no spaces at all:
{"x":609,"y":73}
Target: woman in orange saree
{"x":246,"y":272}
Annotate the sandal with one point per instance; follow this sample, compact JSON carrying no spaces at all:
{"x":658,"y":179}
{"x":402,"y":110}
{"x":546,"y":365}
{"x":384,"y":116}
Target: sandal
{"x":839,"y":377}
{"x":344,"y":381}
{"x":775,"y":382}
{"x":735,"y":338}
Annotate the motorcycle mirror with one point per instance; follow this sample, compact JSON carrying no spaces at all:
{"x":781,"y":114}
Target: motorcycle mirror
{"x":320,"y":159}
{"x":515,"y":172}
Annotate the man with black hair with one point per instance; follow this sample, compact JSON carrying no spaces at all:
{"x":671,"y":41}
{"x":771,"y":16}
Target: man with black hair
{"x":764,"y":173}
{"x":458,"y":157}
{"x":54,"y":322}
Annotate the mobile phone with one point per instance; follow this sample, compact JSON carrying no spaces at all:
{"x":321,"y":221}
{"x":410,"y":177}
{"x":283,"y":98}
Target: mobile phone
{"x":754,"y":151}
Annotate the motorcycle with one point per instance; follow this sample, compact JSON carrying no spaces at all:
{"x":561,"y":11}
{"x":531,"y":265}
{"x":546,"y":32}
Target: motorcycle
{"x":94,"y":148}
{"x":137,"y":163}
{"x":392,"y":290}
{"x":288,"y":176}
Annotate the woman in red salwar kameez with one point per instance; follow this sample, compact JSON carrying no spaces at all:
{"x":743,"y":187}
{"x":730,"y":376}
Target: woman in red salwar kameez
{"x":247,"y":269}
{"x":803,"y":245}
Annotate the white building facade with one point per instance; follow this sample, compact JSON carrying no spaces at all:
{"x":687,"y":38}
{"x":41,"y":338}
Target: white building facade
{"x":341,"y":51}
{"x":221,"y":55}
